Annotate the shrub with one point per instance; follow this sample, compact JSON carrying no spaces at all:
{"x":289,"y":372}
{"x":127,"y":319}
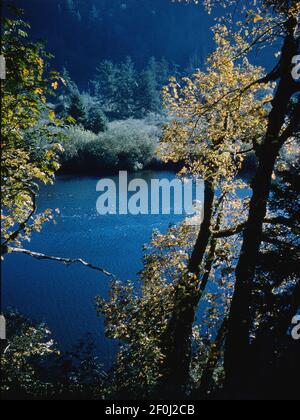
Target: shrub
{"x":126,"y":145}
{"x":77,"y":139}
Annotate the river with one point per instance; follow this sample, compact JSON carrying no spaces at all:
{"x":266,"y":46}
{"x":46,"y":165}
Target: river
{"x":63,"y":297}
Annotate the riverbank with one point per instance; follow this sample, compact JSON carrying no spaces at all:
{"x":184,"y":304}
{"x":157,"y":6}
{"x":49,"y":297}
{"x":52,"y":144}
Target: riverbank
{"x":99,"y":170}
{"x":247,"y":170}
{"x":127,"y":145}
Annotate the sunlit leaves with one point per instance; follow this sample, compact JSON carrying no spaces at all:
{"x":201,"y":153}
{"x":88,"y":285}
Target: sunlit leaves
{"x":25,"y":118}
{"x":215,"y":113}
{"x":55,"y":85}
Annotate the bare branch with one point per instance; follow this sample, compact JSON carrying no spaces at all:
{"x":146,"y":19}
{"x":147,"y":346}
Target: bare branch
{"x":66,"y":261}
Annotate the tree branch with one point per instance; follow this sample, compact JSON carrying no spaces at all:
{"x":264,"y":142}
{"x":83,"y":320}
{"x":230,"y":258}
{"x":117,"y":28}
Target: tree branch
{"x":293,"y":126}
{"x":280,"y":220}
{"x":244,"y":152}
{"x":66,"y":261}
{"x":22,"y":225}
{"x":230,"y":232}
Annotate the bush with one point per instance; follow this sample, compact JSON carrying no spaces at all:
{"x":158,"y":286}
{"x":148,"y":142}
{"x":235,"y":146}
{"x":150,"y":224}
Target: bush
{"x":126,"y":145}
{"x":76,"y":141}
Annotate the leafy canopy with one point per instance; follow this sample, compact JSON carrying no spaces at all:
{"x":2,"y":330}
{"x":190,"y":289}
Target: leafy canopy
{"x":25,"y":118}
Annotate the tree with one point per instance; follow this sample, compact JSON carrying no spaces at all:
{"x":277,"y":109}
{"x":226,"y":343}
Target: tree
{"x":26,"y":119}
{"x":276,"y":287}
{"x":97,"y":121}
{"x":66,"y":90}
{"x":77,"y":109}
{"x":126,"y":90}
{"x":210,"y":129}
{"x":23,"y":105}
{"x":263,"y":27}
{"x":211,"y":140}
{"x":28,"y":346}
{"x":238,"y":348}
{"x":163,"y":72}
{"x":105,"y":84}
{"x":148,"y":92}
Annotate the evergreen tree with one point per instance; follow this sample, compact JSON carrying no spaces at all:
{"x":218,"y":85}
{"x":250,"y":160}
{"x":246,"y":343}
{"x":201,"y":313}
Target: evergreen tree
{"x":163,"y":72}
{"x":106,"y":84}
{"x":66,"y":91}
{"x":149,"y":89}
{"x":69,"y":87}
{"x":126,"y":91}
{"x":77,"y":109}
{"x":97,"y":121}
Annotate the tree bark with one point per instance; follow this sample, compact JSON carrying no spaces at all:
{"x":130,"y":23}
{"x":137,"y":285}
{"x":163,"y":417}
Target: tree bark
{"x":237,"y":353}
{"x":214,"y":356}
{"x":177,"y":348}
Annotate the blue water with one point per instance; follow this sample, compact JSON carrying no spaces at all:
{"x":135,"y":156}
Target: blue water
{"x":63,"y":297}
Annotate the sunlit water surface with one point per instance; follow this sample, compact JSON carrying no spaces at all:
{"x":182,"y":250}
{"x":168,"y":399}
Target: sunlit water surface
{"x":63,"y":297}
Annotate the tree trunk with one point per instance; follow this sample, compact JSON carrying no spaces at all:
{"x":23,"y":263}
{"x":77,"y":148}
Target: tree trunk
{"x":178,"y":336}
{"x":207,"y":376}
{"x":238,"y":354}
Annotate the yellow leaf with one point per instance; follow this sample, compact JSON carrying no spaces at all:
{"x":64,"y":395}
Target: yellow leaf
{"x":52,"y":115}
{"x":55,"y":85}
{"x":40,"y":62}
{"x":257,"y":18}
{"x":25,"y":72}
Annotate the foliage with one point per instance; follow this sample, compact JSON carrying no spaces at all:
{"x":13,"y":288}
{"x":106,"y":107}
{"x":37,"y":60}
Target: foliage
{"x":258,"y":27}
{"x":213,"y":120}
{"x":138,"y":317}
{"x":76,"y":141}
{"x":217,"y":117}
{"x":32,"y":367}
{"x":137,"y":322}
{"x":81,"y":108}
{"x":106,"y":83}
{"x":149,"y":89}
{"x":77,"y":109}
{"x":23,"y":104}
{"x":129,"y":144}
{"x":27,"y":344}
{"x":97,"y":121}
{"x":125,"y":92}
{"x":65,"y":92}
